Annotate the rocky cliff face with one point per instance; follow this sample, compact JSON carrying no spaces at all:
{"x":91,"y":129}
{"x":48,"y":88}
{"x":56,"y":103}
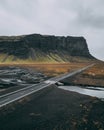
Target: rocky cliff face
{"x":43,"y":47}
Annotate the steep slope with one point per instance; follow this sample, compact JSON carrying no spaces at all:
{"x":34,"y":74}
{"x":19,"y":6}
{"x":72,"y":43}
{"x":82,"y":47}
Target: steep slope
{"x":43,"y":48}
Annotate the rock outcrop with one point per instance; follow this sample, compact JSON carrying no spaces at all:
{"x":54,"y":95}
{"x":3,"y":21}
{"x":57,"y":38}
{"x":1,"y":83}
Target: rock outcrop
{"x":36,"y":46}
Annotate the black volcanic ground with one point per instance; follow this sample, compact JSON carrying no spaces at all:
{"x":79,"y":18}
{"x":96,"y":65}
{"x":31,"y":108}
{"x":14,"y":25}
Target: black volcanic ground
{"x":54,"y":109}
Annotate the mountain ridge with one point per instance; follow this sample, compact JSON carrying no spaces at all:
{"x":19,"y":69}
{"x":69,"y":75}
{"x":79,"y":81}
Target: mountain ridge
{"x":46,"y":48}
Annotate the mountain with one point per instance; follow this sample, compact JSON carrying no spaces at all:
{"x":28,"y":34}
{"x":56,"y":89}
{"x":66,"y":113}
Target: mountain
{"x":43,"y":48}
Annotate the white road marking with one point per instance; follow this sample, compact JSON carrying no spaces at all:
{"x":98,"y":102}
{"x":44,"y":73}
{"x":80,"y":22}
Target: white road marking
{"x":22,"y":96}
{"x":17,"y":91}
{"x":4,"y":100}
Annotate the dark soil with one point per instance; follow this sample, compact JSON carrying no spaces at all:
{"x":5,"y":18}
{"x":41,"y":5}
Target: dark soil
{"x":56,"y":109}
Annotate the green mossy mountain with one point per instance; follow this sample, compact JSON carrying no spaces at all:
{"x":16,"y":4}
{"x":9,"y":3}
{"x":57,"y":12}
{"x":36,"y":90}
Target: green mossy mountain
{"x":46,"y":48}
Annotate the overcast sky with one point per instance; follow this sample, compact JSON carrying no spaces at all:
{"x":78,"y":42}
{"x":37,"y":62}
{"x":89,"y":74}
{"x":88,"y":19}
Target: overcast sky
{"x":56,"y":17}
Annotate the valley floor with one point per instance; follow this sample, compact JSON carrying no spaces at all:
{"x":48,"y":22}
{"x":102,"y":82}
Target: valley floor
{"x":57,"y":109}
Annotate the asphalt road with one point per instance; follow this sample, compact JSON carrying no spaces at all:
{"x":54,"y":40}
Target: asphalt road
{"x":16,"y":95}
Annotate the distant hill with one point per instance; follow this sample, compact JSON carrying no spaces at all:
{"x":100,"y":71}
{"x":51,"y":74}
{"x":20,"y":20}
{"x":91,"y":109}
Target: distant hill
{"x":43,"y":48}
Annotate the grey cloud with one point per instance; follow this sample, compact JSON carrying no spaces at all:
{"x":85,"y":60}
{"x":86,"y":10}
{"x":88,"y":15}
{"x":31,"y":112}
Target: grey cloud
{"x":88,"y":18}
{"x":21,"y":8}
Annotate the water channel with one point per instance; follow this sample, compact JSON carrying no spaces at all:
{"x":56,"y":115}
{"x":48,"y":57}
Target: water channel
{"x":91,"y":91}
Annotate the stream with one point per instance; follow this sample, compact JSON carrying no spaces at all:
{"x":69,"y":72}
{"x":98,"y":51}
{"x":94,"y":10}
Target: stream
{"x":91,"y":91}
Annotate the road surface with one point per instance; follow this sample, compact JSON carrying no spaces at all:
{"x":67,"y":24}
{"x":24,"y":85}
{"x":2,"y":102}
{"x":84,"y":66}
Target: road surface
{"x":16,"y":95}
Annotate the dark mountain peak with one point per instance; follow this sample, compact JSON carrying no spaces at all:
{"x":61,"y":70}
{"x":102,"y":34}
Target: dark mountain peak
{"x":35,"y":45}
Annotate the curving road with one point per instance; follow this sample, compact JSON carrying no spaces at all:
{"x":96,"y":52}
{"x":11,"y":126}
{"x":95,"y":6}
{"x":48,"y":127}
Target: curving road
{"x":16,"y":95}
